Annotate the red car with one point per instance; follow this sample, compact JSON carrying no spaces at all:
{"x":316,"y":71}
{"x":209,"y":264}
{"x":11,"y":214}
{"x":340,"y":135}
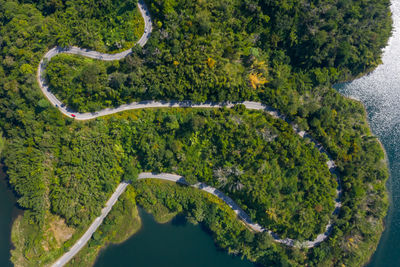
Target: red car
{"x":73,"y":115}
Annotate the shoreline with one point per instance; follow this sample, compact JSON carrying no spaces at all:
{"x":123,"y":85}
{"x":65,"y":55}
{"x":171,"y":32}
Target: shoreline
{"x":129,"y":229}
{"x":15,"y":211}
{"x":368,"y":135}
{"x":389,"y":193}
{"x":365,"y":116}
{"x":119,"y":242}
{"x":388,"y":190}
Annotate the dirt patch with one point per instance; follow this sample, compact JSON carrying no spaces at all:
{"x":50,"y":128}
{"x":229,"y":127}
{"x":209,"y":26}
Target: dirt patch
{"x":60,"y":230}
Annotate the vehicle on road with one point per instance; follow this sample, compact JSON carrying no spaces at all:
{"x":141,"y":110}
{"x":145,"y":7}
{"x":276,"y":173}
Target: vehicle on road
{"x":73,"y":115}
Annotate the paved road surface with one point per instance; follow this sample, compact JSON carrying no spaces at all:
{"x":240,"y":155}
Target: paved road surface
{"x":45,"y":89}
{"x":166,"y":176}
{"x":148,"y":27}
{"x":92,"y":228}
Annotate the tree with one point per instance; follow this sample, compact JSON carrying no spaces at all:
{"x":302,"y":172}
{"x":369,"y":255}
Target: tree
{"x":131,"y":170}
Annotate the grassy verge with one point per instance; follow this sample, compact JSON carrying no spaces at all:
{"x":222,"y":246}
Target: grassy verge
{"x":42,"y":246}
{"x":39,"y":246}
{"x":121,"y":223}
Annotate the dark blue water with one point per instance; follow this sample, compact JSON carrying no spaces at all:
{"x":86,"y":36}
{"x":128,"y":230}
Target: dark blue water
{"x":7,"y":212}
{"x":380,"y":93}
{"x":176,"y":244}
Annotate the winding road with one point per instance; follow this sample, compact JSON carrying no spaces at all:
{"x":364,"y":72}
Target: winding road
{"x":166,"y":176}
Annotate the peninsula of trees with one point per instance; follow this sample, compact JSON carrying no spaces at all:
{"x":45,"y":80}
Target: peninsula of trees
{"x":284,"y":53}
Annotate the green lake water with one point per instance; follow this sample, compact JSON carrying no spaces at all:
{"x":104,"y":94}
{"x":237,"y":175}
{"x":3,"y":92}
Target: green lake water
{"x":380,"y":93}
{"x":181,"y":244}
{"x":175,"y":244}
{"x":7,"y":212}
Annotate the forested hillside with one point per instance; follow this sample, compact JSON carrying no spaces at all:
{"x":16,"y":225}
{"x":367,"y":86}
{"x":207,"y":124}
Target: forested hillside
{"x":233,"y":50}
{"x":283,"y":53}
{"x":102,"y":25}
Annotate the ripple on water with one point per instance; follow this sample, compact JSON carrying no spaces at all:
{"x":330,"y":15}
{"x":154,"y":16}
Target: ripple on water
{"x":380,"y":92}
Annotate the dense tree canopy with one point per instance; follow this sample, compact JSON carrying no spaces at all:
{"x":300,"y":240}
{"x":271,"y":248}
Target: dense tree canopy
{"x":283,"y":53}
{"x":236,"y":50}
{"x":280,"y":180}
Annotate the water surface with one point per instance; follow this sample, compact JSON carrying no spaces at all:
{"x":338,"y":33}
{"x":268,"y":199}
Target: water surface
{"x":7,"y":212}
{"x":380,"y":93}
{"x":180,"y":244}
{"x":187,"y":245}
{"x":174,"y":244}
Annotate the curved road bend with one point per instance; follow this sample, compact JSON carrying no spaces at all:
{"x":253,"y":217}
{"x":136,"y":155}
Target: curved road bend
{"x":241,"y":213}
{"x":92,"y":228}
{"x":165,"y":176}
{"x":148,"y":27}
{"x":55,"y":102}
{"x":180,"y":179}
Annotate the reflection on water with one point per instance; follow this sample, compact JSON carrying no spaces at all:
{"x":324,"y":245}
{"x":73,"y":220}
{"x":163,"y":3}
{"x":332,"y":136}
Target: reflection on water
{"x":380,"y":92}
{"x":174,"y":244}
{"x":181,"y":244}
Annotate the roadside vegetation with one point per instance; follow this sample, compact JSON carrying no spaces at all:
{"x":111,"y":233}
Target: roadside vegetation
{"x":163,"y":198}
{"x":122,"y":222}
{"x":286,"y":54}
{"x":278,"y":178}
{"x":106,"y":26}
{"x":234,"y":50}
{"x":36,"y":246}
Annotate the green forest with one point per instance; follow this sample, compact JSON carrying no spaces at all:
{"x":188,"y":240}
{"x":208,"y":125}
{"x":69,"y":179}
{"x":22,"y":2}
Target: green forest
{"x":107,"y":26}
{"x":233,"y":50}
{"x":286,"y":54}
